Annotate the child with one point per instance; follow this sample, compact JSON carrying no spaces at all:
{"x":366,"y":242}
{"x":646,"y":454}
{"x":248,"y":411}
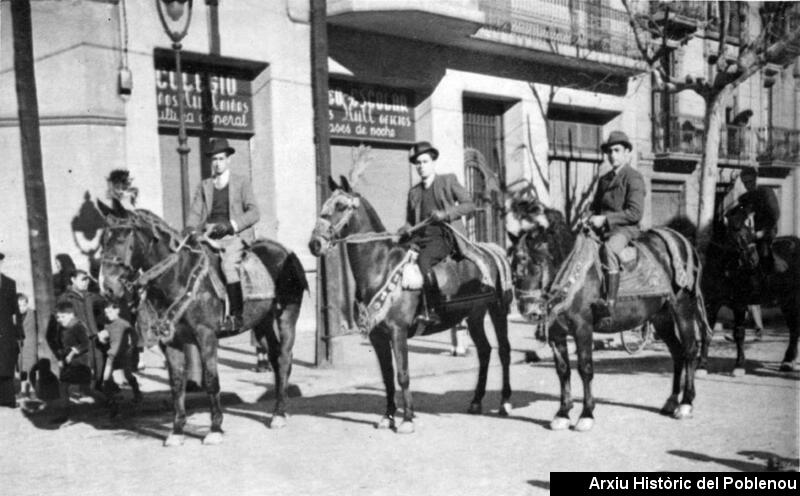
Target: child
{"x":122,"y":351}
{"x":72,"y":348}
{"x":29,"y":352}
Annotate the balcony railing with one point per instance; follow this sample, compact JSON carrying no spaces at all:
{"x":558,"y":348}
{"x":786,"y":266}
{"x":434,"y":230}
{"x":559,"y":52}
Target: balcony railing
{"x":583,"y":23}
{"x":691,"y":10}
{"x":685,"y":134}
{"x":779,"y":145}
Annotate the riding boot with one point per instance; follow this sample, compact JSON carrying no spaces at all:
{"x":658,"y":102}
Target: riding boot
{"x":604,"y":313}
{"x":233,"y":324}
{"x":430,"y":292}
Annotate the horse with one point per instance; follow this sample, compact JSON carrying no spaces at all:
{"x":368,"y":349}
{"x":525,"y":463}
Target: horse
{"x":186,"y":306}
{"x":376,"y":260}
{"x":734,"y":278}
{"x":662,"y":287}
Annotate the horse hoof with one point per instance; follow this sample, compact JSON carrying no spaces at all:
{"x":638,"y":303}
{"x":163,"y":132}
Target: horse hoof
{"x":788,"y":366}
{"x":174,"y":440}
{"x":683,"y":412}
{"x":406,"y":427}
{"x":669,"y":407}
{"x":277,"y":422}
{"x":584,"y":424}
{"x":475,"y":408}
{"x":212,"y":439}
{"x":701,"y":373}
{"x":505,"y":409}
{"x":738,"y":372}
{"x":385,"y":423}
{"x":559,"y":424}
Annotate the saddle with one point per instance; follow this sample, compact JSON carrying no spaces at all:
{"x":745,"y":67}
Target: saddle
{"x":257,"y":283}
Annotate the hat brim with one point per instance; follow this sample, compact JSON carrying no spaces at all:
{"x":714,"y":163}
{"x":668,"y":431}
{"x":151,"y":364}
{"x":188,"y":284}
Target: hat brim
{"x":227,"y":151}
{"x":433,"y":151}
{"x":605,"y":146}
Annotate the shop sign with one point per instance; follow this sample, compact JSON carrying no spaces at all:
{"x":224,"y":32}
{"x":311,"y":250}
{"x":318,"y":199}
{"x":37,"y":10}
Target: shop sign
{"x":231,"y":101}
{"x":371,"y":113}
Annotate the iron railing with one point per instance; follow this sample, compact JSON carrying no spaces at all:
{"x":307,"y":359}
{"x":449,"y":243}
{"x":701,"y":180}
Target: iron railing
{"x":778,"y":144}
{"x":685,"y":134}
{"x":583,"y":23}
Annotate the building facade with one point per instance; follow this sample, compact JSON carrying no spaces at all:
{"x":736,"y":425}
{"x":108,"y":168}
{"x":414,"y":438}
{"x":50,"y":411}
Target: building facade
{"x":514,"y":94}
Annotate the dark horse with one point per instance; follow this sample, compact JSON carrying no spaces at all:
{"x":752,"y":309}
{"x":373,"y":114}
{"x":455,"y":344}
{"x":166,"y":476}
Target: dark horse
{"x":733,"y":277}
{"x":140,"y":251}
{"x":566,"y":305}
{"x":375,"y":259}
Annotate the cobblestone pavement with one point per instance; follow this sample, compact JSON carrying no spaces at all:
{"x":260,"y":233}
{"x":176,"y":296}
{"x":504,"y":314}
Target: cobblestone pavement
{"x":331,"y":446}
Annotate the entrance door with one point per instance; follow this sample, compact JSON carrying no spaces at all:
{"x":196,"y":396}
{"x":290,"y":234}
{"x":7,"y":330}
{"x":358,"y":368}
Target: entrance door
{"x":171,"y":171}
{"x":484,"y":168}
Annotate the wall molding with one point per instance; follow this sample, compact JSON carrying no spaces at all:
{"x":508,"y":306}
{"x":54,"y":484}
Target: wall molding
{"x":70,"y":120}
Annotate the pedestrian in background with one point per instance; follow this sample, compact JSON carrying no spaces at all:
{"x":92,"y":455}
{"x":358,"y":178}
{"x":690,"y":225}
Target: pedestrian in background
{"x":64,"y":267}
{"x":29,"y":344}
{"x":9,"y":337}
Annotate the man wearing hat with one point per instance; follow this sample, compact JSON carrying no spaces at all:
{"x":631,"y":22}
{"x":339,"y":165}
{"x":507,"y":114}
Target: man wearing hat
{"x":224,"y":207}
{"x":9,"y":337}
{"x":763,"y":203}
{"x":616,"y":213}
{"x":438,"y":199}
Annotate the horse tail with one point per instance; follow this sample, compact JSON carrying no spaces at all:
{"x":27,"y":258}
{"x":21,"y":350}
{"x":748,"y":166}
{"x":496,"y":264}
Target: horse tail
{"x":707,"y":331}
{"x":291,"y":282}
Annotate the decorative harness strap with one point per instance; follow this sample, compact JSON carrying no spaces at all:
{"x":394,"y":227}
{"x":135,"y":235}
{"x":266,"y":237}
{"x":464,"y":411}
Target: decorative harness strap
{"x":375,"y":312}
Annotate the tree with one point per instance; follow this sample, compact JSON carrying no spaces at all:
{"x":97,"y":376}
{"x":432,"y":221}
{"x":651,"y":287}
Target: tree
{"x":777,"y":42}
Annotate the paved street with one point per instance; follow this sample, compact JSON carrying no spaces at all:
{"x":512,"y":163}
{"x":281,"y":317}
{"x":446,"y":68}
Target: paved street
{"x":331,"y":447}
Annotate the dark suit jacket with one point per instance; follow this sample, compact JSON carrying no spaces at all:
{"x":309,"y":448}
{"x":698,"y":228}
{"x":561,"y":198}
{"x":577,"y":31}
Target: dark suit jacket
{"x":241,"y":203}
{"x":450,"y":196}
{"x":620,"y":197}
{"x":9,"y":329}
{"x":765,"y":208}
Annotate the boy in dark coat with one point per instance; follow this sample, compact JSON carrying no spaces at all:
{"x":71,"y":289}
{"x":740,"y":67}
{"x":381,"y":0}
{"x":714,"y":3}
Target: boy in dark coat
{"x":122,"y":352}
{"x":72,"y":352}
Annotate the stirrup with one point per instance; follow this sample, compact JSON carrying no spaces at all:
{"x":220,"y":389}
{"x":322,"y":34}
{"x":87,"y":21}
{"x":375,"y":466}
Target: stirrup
{"x":232,"y":324}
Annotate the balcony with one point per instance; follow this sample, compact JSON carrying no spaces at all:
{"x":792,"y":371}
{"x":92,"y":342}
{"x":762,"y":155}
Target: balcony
{"x":778,"y":147}
{"x":682,"y":141}
{"x":678,"y":18}
{"x":583,"y":29}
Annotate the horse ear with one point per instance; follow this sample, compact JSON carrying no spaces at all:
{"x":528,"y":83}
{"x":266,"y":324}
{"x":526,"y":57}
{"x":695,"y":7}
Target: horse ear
{"x":345,"y":184}
{"x":332,"y":184}
{"x":513,"y":237}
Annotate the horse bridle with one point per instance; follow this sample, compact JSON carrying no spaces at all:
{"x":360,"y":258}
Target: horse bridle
{"x":328,"y":230}
{"x":535,"y":296}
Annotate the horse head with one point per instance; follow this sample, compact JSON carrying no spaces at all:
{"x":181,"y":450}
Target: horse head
{"x":129,"y":244}
{"x":741,"y":235}
{"x":532,"y":268}
{"x":338,"y":217}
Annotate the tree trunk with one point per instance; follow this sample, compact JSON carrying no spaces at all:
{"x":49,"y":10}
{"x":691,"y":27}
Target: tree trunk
{"x":709,"y":168}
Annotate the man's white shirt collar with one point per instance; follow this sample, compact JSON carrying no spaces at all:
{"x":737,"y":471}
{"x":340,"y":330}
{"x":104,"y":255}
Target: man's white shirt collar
{"x":222,"y":180}
{"x":428,"y":182}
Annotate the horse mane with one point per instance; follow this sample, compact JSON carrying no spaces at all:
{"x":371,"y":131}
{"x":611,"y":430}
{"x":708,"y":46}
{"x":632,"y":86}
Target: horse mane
{"x":571,"y":277}
{"x":559,"y":236}
{"x":372,"y":215}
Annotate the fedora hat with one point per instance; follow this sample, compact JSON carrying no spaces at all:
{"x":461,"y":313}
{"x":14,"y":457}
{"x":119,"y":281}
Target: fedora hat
{"x":219,"y":145}
{"x":616,"y":138}
{"x":420,"y":148}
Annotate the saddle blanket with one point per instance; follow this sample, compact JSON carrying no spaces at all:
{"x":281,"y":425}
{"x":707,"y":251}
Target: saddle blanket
{"x":482,"y":254}
{"x":646,"y":279}
{"x":257,"y":284}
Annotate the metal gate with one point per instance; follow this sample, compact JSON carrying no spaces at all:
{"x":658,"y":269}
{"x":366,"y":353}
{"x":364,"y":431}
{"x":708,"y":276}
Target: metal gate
{"x":484,"y":168}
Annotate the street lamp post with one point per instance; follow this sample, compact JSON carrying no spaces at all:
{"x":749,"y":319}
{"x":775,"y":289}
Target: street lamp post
{"x":175,"y":17}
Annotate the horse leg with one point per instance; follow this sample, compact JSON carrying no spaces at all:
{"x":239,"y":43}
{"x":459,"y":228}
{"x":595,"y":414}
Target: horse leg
{"x":400,"y":348}
{"x":584,"y":343}
{"x":381,"y":343}
{"x":500,"y":322}
{"x":738,"y":337}
{"x":664,"y":325}
{"x":484,"y":349}
{"x":280,"y":356}
{"x":207,"y":342}
{"x":687,"y":316}
{"x":558,"y":342}
{"x":176,"y":365}
{"x":791,"y":312}
{"x":712,"y":309}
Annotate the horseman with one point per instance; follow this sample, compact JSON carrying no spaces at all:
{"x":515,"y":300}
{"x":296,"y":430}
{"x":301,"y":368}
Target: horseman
{"x":762,"y":202}
{"x":224,"y":207}
{"x":616,"y":213}
{"x":437,"y":199}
